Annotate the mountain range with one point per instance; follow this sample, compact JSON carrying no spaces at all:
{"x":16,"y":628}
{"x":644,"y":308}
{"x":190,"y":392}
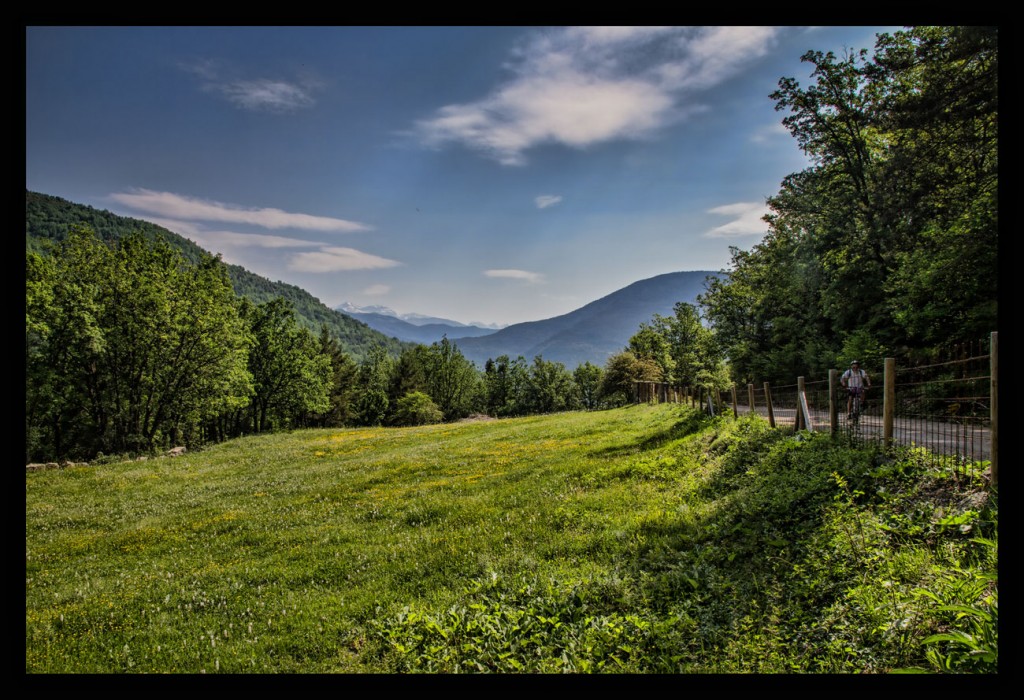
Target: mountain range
{"x":594,"y":332}
{"x":413,"y":328}
{"x":414,"y":319}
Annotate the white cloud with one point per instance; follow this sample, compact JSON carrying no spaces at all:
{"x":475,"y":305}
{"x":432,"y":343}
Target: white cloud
{"x":258,"y":94}
{"x":585,"y":85}
{"x":267,"y":95}
{"x":770,"y":132}
{"x":712,"y":55}
{"x":327,"y":259}
{"x":230,"y":239}
{"x":182,"y":228}
{"x":746,"y":220}
{"x":252,"y":240}
{"x":175,"y":206}
{"x":515,"y":274}
{"x":547,"y":200}
{"x":333,"y":259}
{"x":376,"y":290}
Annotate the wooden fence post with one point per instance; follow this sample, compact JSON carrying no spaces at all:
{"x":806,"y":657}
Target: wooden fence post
{"x":993,"y":359}
{"x":889,"y":405}
{"x":735,"y":408}
{"x":833,"y":401}
{"x":798,"y":423}
{"x":768,"y":401}
{"x":750,"y":397}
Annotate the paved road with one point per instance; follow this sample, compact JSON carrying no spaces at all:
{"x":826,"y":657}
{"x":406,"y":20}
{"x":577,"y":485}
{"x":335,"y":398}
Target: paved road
{"x":971,"y":441}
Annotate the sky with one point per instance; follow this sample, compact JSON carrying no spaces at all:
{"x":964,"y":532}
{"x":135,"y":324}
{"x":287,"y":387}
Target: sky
{"x":482,"y":174}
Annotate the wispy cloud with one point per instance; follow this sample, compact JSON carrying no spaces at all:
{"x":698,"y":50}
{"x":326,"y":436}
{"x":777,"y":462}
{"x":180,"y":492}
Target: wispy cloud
{"x":376,"y":290}
{"x":268,"y":95}
{"x":746,"y":220}
{"x":585,"y":85}
{"x":257,"y":94}
{"x":334,"y":259}
{"x":234,"y":243}
{"x":251,"y":240}
{"x":776,"y":131}
{"x":180,"y":207}
{"x":533,"y":277}
{"x":547,"y":200}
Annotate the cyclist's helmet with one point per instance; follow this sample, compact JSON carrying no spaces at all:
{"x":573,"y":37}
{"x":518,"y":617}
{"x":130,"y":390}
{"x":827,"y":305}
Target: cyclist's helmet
{"x":855,"y":363}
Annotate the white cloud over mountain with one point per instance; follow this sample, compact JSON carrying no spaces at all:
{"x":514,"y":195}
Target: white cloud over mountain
{"x":584,"y":85}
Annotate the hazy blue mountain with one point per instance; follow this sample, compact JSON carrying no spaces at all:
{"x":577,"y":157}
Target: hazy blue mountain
{"x":415,"y":319}
{"x":422,"y":331}
{"x":594,"y":332}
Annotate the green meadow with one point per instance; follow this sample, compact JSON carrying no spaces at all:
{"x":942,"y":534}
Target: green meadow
{"x":645,"y":539}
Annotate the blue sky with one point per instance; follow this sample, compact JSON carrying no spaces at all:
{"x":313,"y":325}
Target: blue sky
{"x":480,"y":174}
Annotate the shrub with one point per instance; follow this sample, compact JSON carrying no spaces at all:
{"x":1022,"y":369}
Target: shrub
{"x":416,"y":408}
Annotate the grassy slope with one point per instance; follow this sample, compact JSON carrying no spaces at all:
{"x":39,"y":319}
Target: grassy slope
{"x":642,"y":539}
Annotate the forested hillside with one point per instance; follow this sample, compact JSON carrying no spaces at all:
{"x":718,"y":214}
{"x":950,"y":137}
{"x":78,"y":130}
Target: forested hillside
{"x":887,"y":245}
{"x":49,"y":218}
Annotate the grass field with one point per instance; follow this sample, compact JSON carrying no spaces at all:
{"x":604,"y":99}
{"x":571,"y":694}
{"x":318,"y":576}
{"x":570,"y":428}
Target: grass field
{"x":646,"y":539}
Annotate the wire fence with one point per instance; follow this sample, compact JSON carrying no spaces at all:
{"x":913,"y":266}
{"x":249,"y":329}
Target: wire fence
{"x":948,"y":408}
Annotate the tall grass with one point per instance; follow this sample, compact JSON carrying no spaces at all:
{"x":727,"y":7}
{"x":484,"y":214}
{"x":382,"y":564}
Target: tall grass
{"x":647,"y":539}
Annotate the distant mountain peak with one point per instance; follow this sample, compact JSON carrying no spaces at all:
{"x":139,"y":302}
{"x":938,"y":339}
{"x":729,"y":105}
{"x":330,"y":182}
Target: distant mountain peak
{"x":594,"y":332}
{"x":350,"y":308}
{"x":412,"y":318}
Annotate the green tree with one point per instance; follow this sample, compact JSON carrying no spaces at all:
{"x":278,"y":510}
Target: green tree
{"x":889,"y":239}
{"x":129,"y":346}
{"x":505,"y":383}
{"x":651,"y":343}
{"x":64,"y":341}
{"x":344,"y":387}
{"x":621,"y":374}
{"x":939,"y":94}
{"x":410,"y":373}
{"x":549,"y":387}
{"x":696,"y":355}
{"x":292,"y":377}
{"x":372,"y":405}
{"x":587,"y":379}
{"x":453,"y":381}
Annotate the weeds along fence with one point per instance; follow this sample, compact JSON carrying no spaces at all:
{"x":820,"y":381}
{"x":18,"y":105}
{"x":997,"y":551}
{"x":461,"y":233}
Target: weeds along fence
{"x":949,"y":408}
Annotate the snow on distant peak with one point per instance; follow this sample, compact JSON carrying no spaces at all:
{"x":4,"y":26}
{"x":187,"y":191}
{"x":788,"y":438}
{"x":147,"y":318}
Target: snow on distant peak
{"x":349,"y":308}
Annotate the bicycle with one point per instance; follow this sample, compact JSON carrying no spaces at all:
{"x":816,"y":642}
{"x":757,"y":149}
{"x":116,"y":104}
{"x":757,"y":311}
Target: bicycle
{"x":856,"y":405}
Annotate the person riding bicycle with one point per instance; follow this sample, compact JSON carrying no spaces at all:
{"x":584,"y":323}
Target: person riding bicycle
{"x":855,"y":381}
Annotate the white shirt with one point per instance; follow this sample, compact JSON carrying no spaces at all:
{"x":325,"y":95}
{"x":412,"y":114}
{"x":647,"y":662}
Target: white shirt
{"x":855,"y":379}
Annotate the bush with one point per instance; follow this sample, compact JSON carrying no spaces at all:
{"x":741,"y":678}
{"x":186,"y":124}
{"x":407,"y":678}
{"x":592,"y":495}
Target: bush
{"x":416,"y":408}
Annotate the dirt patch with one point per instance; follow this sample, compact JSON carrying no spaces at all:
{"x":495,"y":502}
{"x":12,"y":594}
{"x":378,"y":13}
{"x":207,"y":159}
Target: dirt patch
{"x":476,"y":418}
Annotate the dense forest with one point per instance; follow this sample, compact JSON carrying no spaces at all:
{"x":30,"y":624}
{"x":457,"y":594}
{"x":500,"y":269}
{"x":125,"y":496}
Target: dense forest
{"x":886,"y":245}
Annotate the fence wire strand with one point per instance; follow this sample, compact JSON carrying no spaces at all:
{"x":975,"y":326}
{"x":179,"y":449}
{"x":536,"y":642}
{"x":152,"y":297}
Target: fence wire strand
{"x":944,"y":407}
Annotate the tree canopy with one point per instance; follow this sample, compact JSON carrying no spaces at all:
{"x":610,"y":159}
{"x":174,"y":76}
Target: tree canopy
{"x":887,"y":243}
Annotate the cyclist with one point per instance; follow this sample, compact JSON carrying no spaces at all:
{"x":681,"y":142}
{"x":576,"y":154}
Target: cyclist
{"x":855,"y":381}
